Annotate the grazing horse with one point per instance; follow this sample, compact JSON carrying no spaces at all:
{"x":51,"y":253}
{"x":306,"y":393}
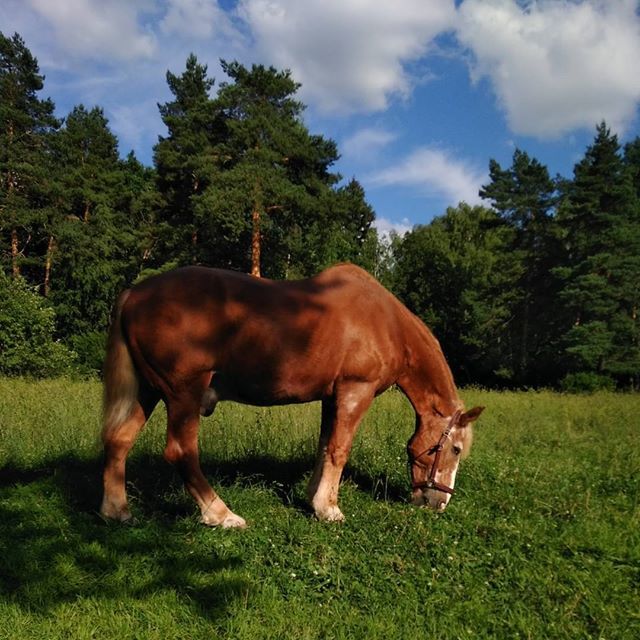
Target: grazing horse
{"x":195,"y":336}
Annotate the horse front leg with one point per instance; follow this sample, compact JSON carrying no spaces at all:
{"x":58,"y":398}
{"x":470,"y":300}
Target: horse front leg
{"x":326,"y":426}
{"x":182,"y":451}
{"x":341,"y":416}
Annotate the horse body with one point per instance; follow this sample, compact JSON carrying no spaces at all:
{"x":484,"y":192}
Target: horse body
{"x":196,"y":336}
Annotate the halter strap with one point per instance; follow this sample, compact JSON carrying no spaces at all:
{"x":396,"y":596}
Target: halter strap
{"x":430,"y":482}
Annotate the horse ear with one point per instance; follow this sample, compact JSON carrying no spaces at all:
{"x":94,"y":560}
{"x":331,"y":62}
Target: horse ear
{"x":470,"y":416}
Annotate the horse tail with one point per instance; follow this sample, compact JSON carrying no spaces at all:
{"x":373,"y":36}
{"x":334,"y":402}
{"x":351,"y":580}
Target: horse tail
{"x":120,"y":377}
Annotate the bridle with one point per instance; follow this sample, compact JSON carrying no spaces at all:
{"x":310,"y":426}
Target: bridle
{"x":430,"y":482}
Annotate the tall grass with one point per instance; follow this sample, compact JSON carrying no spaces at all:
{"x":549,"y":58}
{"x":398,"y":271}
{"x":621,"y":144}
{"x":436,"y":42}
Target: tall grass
{"x":541,"y":540}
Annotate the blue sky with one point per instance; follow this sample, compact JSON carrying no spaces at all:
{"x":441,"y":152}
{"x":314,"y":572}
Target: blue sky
{"x":418,"y":94}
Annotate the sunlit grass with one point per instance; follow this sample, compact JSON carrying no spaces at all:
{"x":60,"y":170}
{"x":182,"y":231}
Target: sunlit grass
{"x":542,"y":539}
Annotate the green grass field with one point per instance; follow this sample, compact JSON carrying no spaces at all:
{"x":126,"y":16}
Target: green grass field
{"x":542,"y":539}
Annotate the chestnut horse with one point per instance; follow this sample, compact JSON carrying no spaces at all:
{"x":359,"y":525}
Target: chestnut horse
{"x":195,"y":336}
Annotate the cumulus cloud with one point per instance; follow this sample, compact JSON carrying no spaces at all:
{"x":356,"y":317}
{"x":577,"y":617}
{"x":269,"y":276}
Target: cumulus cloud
{"x":349,"y":55}
{"x":556,"y":65}
{"x":366,"y":143}
{"x":97,"y":28}
{"x":436,"y":173}
{"x":195,"y":19}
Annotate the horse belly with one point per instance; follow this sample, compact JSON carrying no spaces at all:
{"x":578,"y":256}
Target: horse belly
{"x":272,"y":380}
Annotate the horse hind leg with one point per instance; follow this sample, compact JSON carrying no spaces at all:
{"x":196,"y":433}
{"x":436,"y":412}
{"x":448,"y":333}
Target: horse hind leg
{"x":182,"y":451}
{"x":118,"y":441}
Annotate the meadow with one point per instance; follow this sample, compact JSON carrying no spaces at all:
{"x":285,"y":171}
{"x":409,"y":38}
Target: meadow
{"x":541,"y":540}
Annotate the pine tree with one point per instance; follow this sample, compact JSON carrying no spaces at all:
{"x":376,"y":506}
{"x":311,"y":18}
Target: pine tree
{"x":240,"y":172}
{"x":601,"y":271}
{"x":26,"y":124}
{"x":185,"y":163}
{"x":96,"y":245}
{"x":273,"y":171}
{"x":524,"y":195}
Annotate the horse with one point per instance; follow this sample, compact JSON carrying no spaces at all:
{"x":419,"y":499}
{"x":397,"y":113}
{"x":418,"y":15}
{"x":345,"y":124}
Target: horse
{"x":195,"y":336}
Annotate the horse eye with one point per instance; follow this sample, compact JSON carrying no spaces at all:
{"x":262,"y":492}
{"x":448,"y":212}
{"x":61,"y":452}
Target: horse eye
{"x":457,"y":450}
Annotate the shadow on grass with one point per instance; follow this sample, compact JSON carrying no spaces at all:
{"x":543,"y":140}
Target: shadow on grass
{"x":284,"y":477}
{"x":55,"y":548}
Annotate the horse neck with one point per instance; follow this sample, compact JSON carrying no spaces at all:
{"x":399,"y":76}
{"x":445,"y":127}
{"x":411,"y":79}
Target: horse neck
{"x":427,"y":380}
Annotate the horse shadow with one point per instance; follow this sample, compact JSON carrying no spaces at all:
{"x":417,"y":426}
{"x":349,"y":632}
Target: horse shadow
{"x":56,"y":548}
{"x":288,"y":479}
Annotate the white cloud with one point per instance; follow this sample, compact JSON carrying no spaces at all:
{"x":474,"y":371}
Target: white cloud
{"x":98,"y":28}
{"x":135,"y":124}
{"x":199,"y":19}
{"x":366,"y":143}
{"x":556,"y":65}
{"x":349,"y":55}
{"x":385,"y":227}
{"x":436,"y":173}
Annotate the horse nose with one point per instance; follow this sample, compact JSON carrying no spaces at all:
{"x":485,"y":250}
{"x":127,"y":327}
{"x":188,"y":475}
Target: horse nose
{"x":442,"y":505}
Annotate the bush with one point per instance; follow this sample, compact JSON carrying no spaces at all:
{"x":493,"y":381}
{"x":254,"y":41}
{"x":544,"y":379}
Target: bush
{"x":90,"y":350}
{"x":27,"y":345}
{"x":587,"y":382}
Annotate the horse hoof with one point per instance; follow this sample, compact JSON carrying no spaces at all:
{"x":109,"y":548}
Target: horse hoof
{"x":233,"y":521}
{"x":109,"y":511}
{"x":332,"y":514}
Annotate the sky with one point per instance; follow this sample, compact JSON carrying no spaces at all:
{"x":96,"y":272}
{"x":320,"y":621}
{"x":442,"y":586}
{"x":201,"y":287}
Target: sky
{"x":419,"y":95}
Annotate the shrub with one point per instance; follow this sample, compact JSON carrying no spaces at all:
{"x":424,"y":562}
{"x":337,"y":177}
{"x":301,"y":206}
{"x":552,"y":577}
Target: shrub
{"x":27,"y":345}
{"x":587,"y":382}
{"x":90,"y":350}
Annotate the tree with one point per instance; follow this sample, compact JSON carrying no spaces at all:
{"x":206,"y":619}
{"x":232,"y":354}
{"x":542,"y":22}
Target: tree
{"x":600,"y":274}
{"x":274,"y":175}
{"x":26,"y":123}
{"x":457,"y":274}
{"x":96,"y":239}
{"x":185,"y":162}
{"x":524,"y":196}
{"x":240,"y":172}
{"x":338,"y":229}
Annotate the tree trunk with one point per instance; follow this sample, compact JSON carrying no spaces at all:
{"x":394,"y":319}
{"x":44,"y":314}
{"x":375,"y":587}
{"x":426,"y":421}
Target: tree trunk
{"x":51,"y":245}
{"x":15,"y":267}
{"x":255,"y":241}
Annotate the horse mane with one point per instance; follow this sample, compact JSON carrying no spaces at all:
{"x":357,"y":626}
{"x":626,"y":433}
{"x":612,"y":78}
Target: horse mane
{"x":437,"y":376}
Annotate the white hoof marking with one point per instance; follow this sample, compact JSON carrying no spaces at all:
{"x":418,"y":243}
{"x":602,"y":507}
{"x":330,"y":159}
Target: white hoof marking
{"x":330,"y":514}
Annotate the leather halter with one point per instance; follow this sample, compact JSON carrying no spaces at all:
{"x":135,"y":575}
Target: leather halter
{"x":430,"y":482}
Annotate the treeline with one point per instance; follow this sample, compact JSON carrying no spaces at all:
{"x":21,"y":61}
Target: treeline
{"x":541,"y":288}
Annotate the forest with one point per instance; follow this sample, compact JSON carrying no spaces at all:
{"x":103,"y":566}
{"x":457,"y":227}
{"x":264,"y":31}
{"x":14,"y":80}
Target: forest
{"x":539,"y":287}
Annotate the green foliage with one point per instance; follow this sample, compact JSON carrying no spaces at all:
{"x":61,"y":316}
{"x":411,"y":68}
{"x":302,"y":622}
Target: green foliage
{"x":90,"y":350}
{"x":27,"y":347}
{"x":525,"y":197}
{"x":586,"y":382}
{"x":539,"y":289}
{"x":455,"y":274}
{"x":600,"y":268}
{"x":245,"y":185}
{"x":26,"y":125}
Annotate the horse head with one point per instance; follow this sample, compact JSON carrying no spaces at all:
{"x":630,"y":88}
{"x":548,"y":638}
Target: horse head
{"x":435,"y":452}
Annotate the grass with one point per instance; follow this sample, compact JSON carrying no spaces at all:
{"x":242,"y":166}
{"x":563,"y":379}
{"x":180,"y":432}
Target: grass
{"x":542,"y":539}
